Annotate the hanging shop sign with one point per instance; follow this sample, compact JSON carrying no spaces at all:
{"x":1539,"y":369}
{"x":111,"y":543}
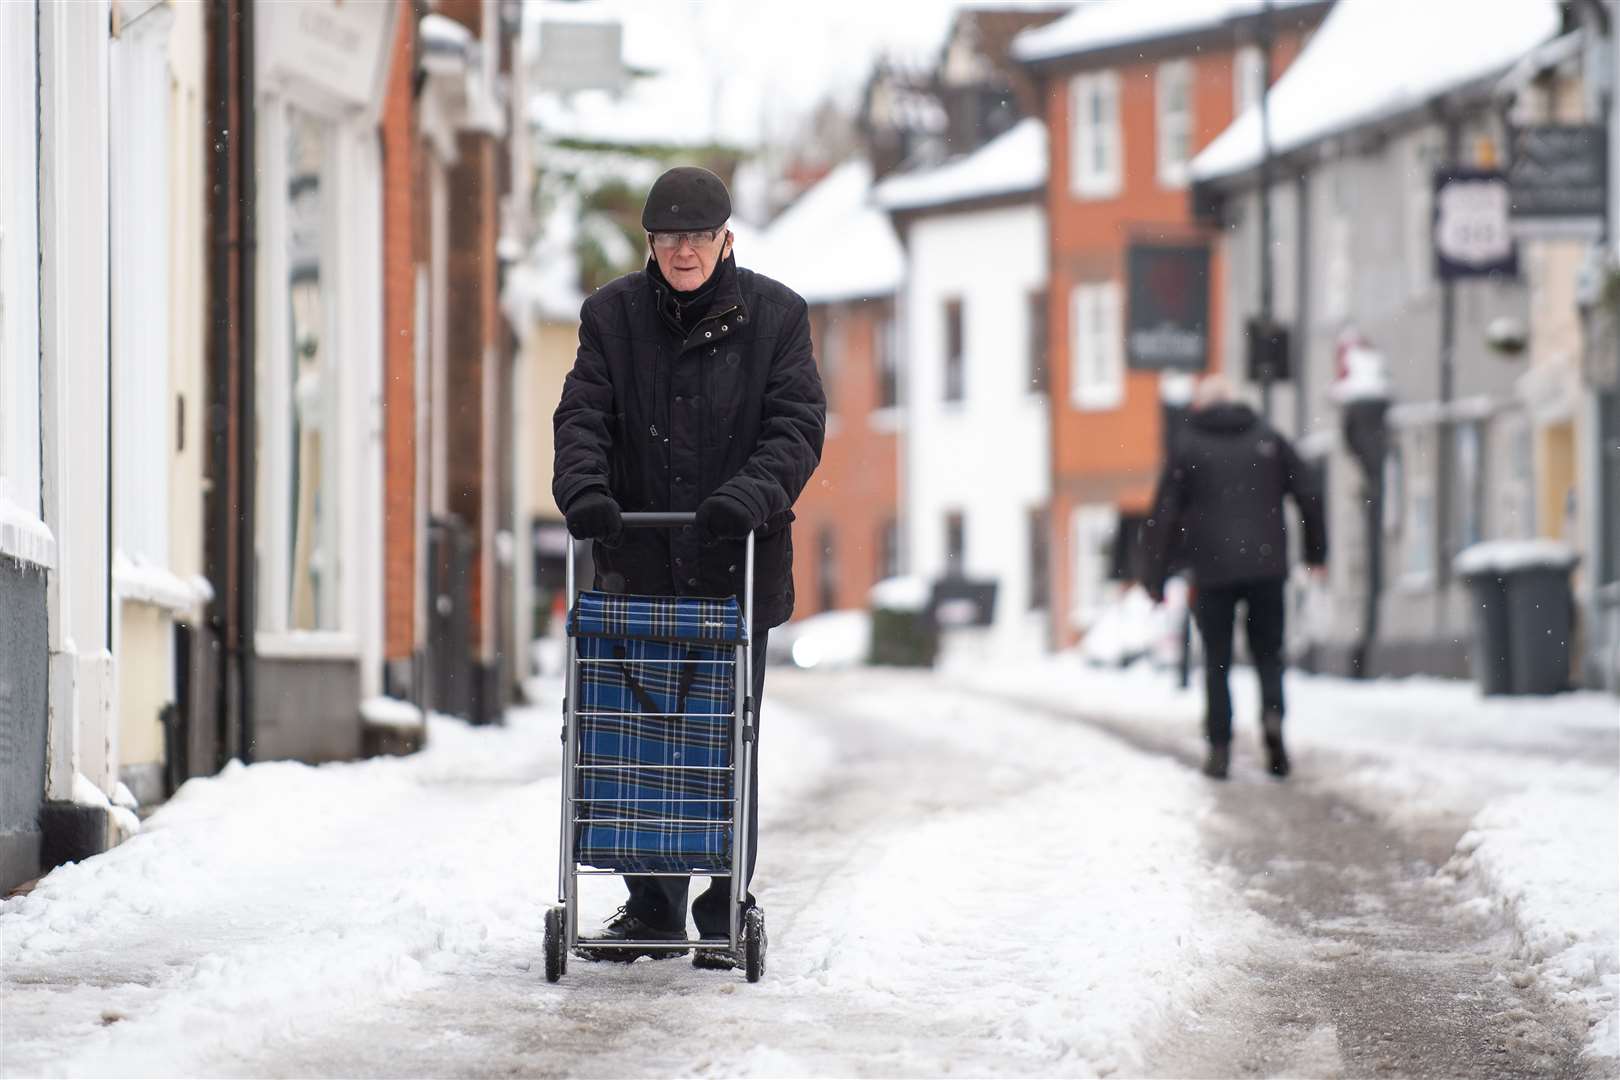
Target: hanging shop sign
{"x":1471,"y":233}
{"x":1168,"y":327}
{"x":1558,"y":179}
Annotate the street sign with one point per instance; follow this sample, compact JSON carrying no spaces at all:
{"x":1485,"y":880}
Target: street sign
{"x":1559,"y":179}
{"x":1168,"y":326}
{"x":1471,"y":234}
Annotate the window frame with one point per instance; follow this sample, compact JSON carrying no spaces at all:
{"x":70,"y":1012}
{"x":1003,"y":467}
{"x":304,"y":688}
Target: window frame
{"x":1038,"y":348}
{"x":1088,"y":134}
{"x":1096,"y":346}
{"x":953,"y":370}
{"x":1173,"y":174}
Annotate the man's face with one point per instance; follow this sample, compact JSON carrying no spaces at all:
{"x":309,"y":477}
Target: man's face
{"x":688,"y":258}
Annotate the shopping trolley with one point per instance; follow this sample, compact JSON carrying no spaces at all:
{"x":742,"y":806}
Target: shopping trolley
{"x":658,"y":740}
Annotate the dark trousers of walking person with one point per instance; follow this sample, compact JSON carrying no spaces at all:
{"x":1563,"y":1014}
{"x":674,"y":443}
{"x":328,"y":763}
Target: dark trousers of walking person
{"x":1215,"y":609}
{"x":661,"y":901}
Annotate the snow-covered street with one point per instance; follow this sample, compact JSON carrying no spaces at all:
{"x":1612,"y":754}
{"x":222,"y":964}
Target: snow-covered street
{"x":1013,"y":872}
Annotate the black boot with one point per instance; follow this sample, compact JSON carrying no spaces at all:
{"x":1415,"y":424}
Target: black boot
{"x":1217,"y":760}
{"x":626,"y":927}
{"x":1276,"y":754}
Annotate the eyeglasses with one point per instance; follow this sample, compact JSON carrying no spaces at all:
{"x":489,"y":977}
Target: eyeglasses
{"x":673,"y":241}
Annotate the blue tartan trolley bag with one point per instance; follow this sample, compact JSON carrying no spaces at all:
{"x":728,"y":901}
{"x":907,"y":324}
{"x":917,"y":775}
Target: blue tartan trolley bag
{"x":658,"y":730}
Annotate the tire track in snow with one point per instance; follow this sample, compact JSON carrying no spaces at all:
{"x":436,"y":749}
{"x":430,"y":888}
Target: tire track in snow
{"x":1378,"y":963}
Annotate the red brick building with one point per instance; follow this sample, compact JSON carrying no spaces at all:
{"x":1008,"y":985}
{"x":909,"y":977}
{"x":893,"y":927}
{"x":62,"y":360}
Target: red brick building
{"x":1130,"y":95}
{"x":840,"y":253}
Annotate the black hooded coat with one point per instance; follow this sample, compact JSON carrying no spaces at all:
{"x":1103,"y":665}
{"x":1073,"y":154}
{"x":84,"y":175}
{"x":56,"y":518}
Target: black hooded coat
{"x":666,"y":406}
{"x":1218,"y":511}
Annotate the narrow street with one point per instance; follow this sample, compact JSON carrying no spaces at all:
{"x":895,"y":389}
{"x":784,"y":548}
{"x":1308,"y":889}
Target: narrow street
{"x":1376,"y":961}
{"x":954,"y":883}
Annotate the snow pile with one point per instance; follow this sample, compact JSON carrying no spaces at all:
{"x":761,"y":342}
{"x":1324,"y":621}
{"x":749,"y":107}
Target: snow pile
{"x":1506,"y":556}
{"x":1419,"y":51}
{"x":391,"y":712}
{"x":1013,"y":163}
{"x":910,"y":594}
{"x":831,"y":639}
{"x":1534,"y":851}
{"x":833,"y":243}
{"x":1105,"y":24}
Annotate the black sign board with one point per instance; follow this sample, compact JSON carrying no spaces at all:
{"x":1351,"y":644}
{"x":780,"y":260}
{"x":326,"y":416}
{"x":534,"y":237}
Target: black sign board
{"x":1169,"y":307}
{"x":1267,"y":349}
{"x":1471,"y":234}
{"x":1559,"y":178}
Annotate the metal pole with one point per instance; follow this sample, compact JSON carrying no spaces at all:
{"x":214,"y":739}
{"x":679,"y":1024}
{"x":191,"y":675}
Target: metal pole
{"x":1267,"y":372}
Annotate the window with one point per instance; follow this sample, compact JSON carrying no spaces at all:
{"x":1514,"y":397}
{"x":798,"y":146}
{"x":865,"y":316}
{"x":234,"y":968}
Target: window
{"x":1040,"y":558}
{"x":1036,"y":309}
{"x":1468,"y":491}
{"x":1248,"y":76}
{"x":827,"y":568}
{"x":314,"y":597}
{"x":1095,"y":145}
{"x":888,"y":550}
{"x":888,"y":368}
{"x":824,"y":327}
{"x":954,"y":360}
{"x":1419,"y":519}
{"x":1175,"y":122}
{"x":1098,"y":361}
{"x":1092,"y":535}
{"x":955,"y":544}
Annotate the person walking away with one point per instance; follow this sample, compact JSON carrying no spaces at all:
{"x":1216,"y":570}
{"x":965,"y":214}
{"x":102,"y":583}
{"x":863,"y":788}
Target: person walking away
{"x":694,"y":390}
{"x":1219,"y":509}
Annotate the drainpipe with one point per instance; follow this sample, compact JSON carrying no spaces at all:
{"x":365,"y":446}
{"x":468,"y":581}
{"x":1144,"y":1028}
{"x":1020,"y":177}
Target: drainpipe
{"x":246,"y":254}
{"x":219,"y":373}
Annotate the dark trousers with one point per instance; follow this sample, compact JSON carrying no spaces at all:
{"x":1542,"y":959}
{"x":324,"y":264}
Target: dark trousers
{"x":1215,"y":609}
{"x":661,"y":901}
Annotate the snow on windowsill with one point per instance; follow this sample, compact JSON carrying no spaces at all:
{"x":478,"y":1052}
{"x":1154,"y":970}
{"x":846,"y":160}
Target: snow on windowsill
{"x":25,"y":538}
{"x":156,"y":585}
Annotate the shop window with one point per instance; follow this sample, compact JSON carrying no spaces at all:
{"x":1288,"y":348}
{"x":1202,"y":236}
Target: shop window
{"x":314,"y":466}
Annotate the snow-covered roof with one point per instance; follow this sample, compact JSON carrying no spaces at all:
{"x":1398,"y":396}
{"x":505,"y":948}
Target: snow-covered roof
{"x":1372,"y":60}
{"x":1012,"y":163}
{"x":1107,"y":24}
{"x":832,"y":244}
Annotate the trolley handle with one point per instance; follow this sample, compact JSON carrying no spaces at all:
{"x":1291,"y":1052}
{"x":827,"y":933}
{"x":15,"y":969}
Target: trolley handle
{"x":653,"y":519}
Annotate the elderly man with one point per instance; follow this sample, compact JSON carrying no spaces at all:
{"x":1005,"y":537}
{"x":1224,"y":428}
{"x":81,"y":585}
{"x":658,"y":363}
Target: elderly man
{"x":1219,"y":514}
{"x":694,"y":389}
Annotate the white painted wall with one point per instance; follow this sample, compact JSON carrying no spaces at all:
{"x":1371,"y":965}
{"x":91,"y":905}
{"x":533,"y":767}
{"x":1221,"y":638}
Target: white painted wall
{"x":987,"y":455}
{"x":73,"y":198}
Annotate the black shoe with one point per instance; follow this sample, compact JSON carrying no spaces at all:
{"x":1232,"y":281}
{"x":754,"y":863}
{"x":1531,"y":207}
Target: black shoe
{"x":714,"y":960}
{"x":1276,"y":753}
{"x":626,"y":927}
{"x":1217,"y":761}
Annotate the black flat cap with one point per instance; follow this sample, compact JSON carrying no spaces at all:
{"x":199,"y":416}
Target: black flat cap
{"x":686,"y":198}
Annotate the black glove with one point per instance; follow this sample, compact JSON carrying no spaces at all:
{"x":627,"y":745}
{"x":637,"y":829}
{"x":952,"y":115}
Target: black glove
{"x":721,"y":516}
{"x":594,"y":516}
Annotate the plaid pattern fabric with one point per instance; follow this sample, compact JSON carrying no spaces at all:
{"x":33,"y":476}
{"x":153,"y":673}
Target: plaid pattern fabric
{"x":658,"y":618}
{"x":676,"y":708}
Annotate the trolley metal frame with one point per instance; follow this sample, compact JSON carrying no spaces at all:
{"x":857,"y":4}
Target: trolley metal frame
{"x":745,"y":934}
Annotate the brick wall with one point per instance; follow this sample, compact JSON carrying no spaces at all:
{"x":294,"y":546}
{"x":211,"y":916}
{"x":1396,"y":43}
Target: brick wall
{"x":854,"y":492}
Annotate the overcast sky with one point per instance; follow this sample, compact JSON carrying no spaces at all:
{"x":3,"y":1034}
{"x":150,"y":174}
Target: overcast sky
{"x":752,"y":65}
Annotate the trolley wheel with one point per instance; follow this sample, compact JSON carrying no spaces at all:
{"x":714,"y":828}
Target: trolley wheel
{"x":754,"y":943}
{"x":556,"y":955}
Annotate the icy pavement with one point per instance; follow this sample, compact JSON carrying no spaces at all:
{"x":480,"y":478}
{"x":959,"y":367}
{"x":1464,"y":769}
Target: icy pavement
{"x":955,"y":882}
{"x":1507,"y":812}
{"x":948,"y":890}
